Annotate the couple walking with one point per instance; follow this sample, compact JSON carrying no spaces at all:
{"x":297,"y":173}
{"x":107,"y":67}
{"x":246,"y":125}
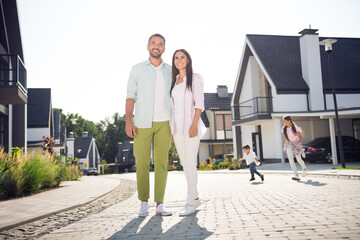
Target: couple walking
{"x":167,"y":101}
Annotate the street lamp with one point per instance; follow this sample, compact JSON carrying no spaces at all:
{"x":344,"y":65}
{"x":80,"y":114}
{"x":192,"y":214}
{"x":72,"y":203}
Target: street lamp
{"x":328,"y":48}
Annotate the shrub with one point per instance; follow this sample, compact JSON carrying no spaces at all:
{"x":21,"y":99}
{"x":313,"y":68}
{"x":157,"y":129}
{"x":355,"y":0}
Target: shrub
{"x":21,"y":174}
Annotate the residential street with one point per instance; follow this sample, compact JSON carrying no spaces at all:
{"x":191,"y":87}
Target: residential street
{"x":234,"y":208}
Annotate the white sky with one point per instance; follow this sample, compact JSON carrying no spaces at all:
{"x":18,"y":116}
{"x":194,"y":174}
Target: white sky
{"x":84,"y":49}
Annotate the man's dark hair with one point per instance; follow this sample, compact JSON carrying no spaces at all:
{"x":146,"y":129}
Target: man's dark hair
{"x":246,"y":146}
{"x":157,"y":35}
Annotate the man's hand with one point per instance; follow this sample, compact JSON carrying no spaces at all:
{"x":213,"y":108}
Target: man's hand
{"x":193,"y":132}
{"x":130,"y":129}
{"x":241,"y":159}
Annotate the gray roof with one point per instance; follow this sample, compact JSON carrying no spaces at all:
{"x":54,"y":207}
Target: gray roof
{"x":214,"y":102}
{"x":280,"y":56}
{"x":345,"y":59}
{"x":82,"y":143}
{"x":39,"y":107}
{"x":57,"y":124}
{"x":205,"y":119}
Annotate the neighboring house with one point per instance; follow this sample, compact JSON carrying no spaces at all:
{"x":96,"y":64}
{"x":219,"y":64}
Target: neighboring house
{"x":84,"y":148}
{"x":59,"y":135}
{"x":40,"y":115}
{"x":218,"y":139}
{"x":289,"y":75}
{"x":124,"y":158}
{"x":13,"y":83}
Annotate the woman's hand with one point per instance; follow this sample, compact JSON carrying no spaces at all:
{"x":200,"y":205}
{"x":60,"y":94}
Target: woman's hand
{"x":193,"y":132}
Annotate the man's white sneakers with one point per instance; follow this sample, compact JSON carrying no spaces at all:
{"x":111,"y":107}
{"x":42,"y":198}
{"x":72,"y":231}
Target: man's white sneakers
{"x":162,"y":211}
{"x":144,"y":209}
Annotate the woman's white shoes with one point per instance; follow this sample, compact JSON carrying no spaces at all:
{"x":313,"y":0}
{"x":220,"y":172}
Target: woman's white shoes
{"x":187,"y":210}
{"x":190,"y":209}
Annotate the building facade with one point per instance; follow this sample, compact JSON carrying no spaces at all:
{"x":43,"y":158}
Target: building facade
{"x":13,"y":82}
{"x":289,"y":75}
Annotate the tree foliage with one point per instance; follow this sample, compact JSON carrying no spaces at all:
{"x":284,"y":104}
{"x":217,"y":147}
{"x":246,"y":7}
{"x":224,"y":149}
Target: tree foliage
{"x":107,"y":133}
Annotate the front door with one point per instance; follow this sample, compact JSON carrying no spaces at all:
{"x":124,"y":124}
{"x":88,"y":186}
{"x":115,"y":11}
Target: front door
{"x":256,"y":144}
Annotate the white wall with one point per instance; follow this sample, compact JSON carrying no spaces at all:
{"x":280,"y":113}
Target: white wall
{"x":203,"y":152}
{"x":311,"y":69}
{"x":36,"y":134}
{"x":246,"y":137}
{"x":250,"y":77}
{"x":343,"y":101}
{"x":70,"y":145}
{"x":267,"y":135}
{"x":289,"y":102}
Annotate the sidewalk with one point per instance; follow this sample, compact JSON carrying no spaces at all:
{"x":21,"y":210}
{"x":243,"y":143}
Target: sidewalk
{"x":313,"y":169}
{"x":69,"y":195}
{"x":74,"y":194}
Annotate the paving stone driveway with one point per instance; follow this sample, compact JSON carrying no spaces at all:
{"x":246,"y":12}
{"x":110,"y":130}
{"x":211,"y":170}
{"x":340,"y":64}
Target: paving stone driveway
{"x":234,"y":208}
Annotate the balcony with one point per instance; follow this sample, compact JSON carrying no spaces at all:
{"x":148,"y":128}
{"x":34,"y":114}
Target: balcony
{"x":13,"y":84}
{"x":253,"y":109}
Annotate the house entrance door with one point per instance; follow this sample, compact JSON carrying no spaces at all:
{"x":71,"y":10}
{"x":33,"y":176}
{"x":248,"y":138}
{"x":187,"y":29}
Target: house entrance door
{"x":257,"y":143}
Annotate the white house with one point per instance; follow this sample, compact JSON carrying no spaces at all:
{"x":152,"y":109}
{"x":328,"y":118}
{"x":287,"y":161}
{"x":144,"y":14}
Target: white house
{"x":40,"y":120}
{"x":218,"y":139}
{"x":289,"y":75}
{"x":84,"y":148}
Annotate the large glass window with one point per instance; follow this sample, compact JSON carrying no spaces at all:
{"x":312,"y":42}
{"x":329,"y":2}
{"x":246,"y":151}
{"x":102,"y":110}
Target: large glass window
{"x":223,"y":126}
{"x":356,"y":128}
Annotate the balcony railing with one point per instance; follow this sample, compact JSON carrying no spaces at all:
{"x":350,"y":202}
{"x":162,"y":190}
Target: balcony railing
{"x":13,"y":82}
{"x":252,"y":108}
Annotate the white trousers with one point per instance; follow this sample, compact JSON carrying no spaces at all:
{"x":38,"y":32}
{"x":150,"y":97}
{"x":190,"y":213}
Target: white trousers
{"x":290,"y":154}
{"x":187,"y":148}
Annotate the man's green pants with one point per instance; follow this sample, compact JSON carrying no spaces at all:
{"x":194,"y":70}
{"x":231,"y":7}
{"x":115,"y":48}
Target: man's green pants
{"x":161,"y":134}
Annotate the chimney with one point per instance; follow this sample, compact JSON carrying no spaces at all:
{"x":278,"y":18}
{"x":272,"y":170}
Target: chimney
{"x":71,"y":135}
{"x":222,"y":91}
{"x":311,"y":67}
{"x":84,"y":134}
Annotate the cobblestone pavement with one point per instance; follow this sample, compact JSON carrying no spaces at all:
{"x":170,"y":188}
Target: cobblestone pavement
{"x":234,"y":208}
{"x":44,"y":226}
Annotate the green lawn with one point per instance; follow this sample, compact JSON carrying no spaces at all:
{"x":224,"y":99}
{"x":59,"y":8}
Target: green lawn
{"x":348,"y":168}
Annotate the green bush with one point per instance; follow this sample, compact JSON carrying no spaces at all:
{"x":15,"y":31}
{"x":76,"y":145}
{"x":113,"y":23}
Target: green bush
{"x":22,"y":174}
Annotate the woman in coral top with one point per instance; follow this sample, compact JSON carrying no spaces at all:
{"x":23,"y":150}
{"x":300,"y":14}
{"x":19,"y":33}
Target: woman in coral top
{"x":187,"y":98}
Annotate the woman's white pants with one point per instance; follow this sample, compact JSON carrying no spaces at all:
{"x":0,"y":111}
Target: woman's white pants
{"x":290,"y":154}
{"x":187,"y":148}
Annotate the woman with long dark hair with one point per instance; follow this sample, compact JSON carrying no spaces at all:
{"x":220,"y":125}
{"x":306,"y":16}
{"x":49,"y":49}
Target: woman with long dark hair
{"x":292,"y":145}
{"x":187,"y":98}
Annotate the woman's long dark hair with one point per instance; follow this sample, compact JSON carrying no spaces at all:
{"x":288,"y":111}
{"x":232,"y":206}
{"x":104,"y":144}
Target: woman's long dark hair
{"x":288,"y":118}
{"x":189,"y":70}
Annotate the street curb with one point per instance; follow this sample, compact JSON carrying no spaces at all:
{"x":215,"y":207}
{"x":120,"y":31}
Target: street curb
{"x":329,"y":175}
{"x":56,"y":212}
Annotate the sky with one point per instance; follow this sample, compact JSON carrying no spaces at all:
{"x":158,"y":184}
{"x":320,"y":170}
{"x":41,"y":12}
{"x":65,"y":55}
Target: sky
{"x":84,"y":49}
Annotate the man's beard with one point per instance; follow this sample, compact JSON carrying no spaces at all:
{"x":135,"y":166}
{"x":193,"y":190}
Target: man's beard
{"x":155,"y":56}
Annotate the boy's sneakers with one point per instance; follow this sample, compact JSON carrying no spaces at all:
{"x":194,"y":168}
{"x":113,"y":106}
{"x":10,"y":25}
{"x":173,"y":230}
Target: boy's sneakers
{"x":304,"y":173}
{"x":252,"y":179}
{"x":296,"y":178}
{"x":262,"y":177}
{"x":162,"y":211}
{"x":144,"y":209}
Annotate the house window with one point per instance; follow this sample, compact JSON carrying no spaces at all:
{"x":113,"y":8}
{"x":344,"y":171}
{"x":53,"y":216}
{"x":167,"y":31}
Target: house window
{"x":223,"y":126}
{"x":356,"y":128}
{"x":3,"y":132}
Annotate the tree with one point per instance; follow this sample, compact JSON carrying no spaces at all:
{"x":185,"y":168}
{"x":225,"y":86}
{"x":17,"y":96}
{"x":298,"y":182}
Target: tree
{"x":107,"y":133}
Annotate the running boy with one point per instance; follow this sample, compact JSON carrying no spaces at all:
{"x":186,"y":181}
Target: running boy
{"x":251,"y":158}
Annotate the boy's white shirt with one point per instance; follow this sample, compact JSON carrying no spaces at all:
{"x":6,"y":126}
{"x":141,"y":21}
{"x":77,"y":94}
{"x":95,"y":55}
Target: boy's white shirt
{"x":250,"y":158}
